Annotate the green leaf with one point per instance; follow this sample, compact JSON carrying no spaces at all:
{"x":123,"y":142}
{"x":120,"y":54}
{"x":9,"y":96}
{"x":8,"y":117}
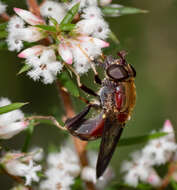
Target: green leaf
{"x":67,"y":27}
{"x":68,"y":83}
{"x":29,"y":132}
{"x":113,"y":37}
{"x":3,"y":45}
{"x":78,"y":184}
{"x":47,"y":28}
{"x":3,"y":34}
{"x":70,"y":14}
{"x":140,"y":139}
{"x":53,"y":21}
{"x":173,"y":184}
{"x":25,"y":68}
{"x":3,"y":26}
{"x":129,"y":141}
{"x":11,"y":107}
{"x":120,"y":11}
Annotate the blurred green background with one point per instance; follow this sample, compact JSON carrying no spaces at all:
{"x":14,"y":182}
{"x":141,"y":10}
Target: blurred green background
{"x":151,"y":42}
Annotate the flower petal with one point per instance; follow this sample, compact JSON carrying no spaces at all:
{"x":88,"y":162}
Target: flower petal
{"x":29,"y":17}
{"x":65,"y":53}
{"x":33,"y":51}
{"x":100,"y":43}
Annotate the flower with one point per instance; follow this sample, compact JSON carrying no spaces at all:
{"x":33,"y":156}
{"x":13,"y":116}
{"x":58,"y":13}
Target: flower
{"x":56,"y":179}
{"x":66,"y":160}
{"x":11,"y":123}
{"x":139,"y":169}
{"x":63,"y":167}
{"x":93,"y":23}
{"x":82,"y":50}
{"x":46,"y":66}
{"x":160,"y":150}
{"x":2,"y":7}
{"x":29,"y":171}
{"x":17,"y":32}
{"x":53,"y":9}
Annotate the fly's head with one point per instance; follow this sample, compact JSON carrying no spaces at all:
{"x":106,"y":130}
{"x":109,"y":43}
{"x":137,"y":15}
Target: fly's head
{"x":118,"y":70}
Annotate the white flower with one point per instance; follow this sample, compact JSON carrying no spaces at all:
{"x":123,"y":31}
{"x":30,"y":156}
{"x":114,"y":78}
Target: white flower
{"x":2,"y":7}
{"x":69,"y":5}
{"x":28,"y":34}
{"x":16,"y":168}
{"x":15,"y":23}
{"x":137,"y":169}
{"x":46,"y":66}
{"x":53,"y":9}
{"x":38,"y":154}
{"x":82,"y":50}
{"x":29,"y":17}
{"x":97,"y":28}
{"x":89,"y":174}
{"x":56,"y":180}
{"x":11,"y":123}
{"x":160,"y":150}
{"x":31,"y":52}
{"x":18,"y":33}
{"x":14,"y":44}
{"x":154,"y":179}
{"x":66,"y":161}
{"x":91,"y":12}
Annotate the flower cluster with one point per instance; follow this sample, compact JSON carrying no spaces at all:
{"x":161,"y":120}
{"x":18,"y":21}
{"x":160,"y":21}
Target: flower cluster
{"x":156,"y":152}
{"x":63,"y":167}
{"x":21,"y":165}
{"x":79,"y":44}
{"x":11,"y":123}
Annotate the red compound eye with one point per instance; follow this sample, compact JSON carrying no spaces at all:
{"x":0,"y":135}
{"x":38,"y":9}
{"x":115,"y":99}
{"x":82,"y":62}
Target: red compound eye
{"x":117,"y":72}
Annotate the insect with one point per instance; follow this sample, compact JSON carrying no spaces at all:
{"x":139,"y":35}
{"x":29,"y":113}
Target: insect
{"x":117,"y":98}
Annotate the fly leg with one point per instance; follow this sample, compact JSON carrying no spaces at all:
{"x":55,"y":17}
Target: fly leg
{"x":82,"y":86}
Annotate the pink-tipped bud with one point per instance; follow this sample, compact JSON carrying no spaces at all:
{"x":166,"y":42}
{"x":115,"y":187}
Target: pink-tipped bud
{"x":167,"y":127}
{"x":33,"y":51}
{"x":154,"y":179}
{"x":29,"y":17}
{"x":65,"y":53}
{"x":101,"y":43}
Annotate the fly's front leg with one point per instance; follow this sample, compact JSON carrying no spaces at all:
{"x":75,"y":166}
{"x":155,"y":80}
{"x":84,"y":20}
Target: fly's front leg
{"x":82,"y":86}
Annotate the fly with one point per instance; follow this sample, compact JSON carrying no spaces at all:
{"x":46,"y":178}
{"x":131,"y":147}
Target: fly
{"x":117,"y":98}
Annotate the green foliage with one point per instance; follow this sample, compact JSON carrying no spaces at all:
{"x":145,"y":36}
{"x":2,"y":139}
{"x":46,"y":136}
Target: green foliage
{"x":3,"y":32}
{"x":130,"y":141}
{"x":47,"y":28}
{"x":25,"y":68}
{"x":67,"y":27}
{"x":3,"y":45}
{"x":173,"y":184}
{"x":120,"y":11}
{"x":29,"y":133}
{"x":70,"y":14}
{"x":67,"y":82}
{"x":113,"y":37}
{"x":78,"y":184}
{"x":11,"y":107}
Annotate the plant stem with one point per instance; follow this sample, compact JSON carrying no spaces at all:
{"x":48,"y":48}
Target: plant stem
{"x":33,"y":7}
{"x":80,"y":146}
{"x":5,"y":16}
{"x":166,"y":180}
